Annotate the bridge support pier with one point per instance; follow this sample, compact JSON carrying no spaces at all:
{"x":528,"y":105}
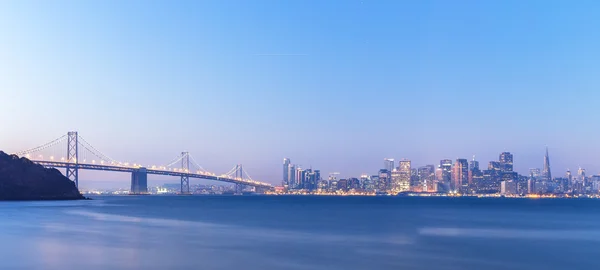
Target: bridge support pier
{"x":139,"y":182}
{"x":239,"y":188}
{"x":261,"y":190}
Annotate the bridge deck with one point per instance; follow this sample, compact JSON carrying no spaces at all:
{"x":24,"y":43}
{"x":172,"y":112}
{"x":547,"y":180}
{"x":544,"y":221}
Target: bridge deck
{"x":112,"y":168}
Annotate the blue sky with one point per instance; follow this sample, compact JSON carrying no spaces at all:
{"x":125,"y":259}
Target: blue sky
{"x":338,"y":85}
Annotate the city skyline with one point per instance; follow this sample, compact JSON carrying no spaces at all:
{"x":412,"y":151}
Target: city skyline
{"x":475,"y":159}
{"x":336,"y":84}
{"x":461,"y":177}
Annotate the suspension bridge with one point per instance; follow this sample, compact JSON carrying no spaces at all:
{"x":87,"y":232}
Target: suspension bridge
{"x":81,"y":155}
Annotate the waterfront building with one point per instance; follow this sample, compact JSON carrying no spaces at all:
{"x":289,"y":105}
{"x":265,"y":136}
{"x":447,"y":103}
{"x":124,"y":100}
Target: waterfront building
{"x":522,"y":184}
{"x":446,"y":166}
{"x":405,"y":175}
{"x":395,"y":180}
{"x":342,"y":185}
{"x":595,"y":182}
{"x":531,"y":186}
{"x":365,"y":182}
{"x":292,"y":184}
{"x":510,"y":176}
{"x":323,"y":185}
{"x":373,"y":184}
{"x":559,"y":185}
{"x":508,"y":187}
{"x":460,"y":175}
{"x":300,"y":178}
{"x":311,"y":179}
{"x":333,"y":184}
{"x":490,"y":182}
{"x":286,"y":172}
{"x":318,"y":178}
{"x":585,"y":186}
{"x":426,"y":178}
{"x":475,"y":175}
{"x":354,"y":184}
{"x":569,"y":177}
{"x":439,"y":180}
{"x":384,"y":179}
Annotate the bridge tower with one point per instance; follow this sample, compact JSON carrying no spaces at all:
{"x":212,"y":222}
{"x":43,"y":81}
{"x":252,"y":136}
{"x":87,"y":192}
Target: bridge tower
{"x":239,"y":173}
{"x":73,"y":157}
{"x":185,"y":167}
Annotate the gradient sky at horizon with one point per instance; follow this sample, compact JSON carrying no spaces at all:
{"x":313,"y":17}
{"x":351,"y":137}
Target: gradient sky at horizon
{"x":336,"y":85}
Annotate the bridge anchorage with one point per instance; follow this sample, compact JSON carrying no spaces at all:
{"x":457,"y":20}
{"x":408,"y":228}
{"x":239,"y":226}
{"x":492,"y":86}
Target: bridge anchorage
{"x":81,"y":155}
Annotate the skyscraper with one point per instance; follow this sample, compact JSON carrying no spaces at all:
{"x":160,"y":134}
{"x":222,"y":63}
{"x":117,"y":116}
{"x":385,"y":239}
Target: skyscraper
{"x":439,"y":178}
{"x":332,"y":182}
{"x":292,"y":177}
{"x":395,"y":181}
{"x":546,"y":172}
{"x":474,"y":164}
{"x":475,"y":175}
{"x":534,"y":179}
{"x":373,"y":183}
{"x":310,"y":180}
{"x":405,"y":173}
{"x":317,"y":178}
{"x":353,"y":183}
{"x":460,"y":175}
{"x":384,"y":180}
{"x":342,"y":185}
{"x":300,"y":178}
{"x":286,"y":171}
{"x":426,"y":178}
{"x":446,"y":165}
{"x":508,"y":187}
{"x":582,"y":179}
{"x":366,"y":183}
{"x":415,"y":181}
{"x":388,"y":164}
{"x":506,"y":161}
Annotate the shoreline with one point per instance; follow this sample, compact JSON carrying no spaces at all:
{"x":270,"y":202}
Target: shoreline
{"x":44,"y":199}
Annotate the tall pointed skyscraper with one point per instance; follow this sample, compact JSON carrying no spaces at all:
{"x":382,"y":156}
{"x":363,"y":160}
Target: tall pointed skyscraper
{"x":546,"y":173}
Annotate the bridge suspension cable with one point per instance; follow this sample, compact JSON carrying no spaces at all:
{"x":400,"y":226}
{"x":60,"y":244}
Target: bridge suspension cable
{"x":84,"y":154}
{"x":232,"y":171}
{"x":95,"y":151}
{"x":247,"y":175}
{"x":175,"y":161}
{"x":42,"y":147}
{"x":196,"y":164}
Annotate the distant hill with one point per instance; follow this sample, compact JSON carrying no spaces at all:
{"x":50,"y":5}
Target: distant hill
{"x":21,"y":179}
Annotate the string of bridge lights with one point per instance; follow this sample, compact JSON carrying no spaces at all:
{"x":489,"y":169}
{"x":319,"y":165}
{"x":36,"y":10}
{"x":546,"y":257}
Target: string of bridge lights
{"x":107,"y":161}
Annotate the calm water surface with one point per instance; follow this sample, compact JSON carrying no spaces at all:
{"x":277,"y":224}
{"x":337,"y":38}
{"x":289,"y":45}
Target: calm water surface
{"x":262,"y":232}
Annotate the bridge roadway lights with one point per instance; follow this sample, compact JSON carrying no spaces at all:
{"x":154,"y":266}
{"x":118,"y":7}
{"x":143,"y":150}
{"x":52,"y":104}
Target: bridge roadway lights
{"x":139,"y":182}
